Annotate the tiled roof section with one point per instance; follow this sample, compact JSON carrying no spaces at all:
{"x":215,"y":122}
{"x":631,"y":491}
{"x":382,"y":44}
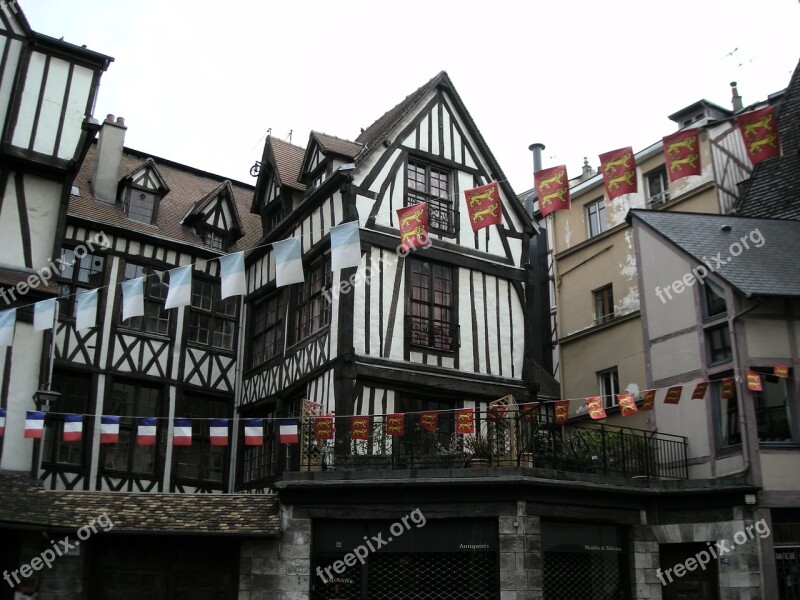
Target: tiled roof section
{"x":289,"y":161}
{"x":774,"y":186}
{"x":330,"y":143}
{"x":766,"y":270}
{"x":26,"y":503}
{"x":186,"y":185}
{"x":11,"y":277}
{"x":379,"y":129}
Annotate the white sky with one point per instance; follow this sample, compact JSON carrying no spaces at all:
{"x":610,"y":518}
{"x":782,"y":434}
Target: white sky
{"x":200,"y":82}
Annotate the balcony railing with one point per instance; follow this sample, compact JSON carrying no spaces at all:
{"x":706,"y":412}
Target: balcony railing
{"x":432,"y":333}
{"x":530,"y":441}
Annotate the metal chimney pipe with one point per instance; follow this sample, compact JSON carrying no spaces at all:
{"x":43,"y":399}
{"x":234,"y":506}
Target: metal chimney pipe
{"x":537,"y":148}
{"x":736,"y":99}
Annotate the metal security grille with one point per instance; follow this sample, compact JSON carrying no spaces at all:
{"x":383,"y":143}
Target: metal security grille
{"x":787,"y":560}
{"x":433,"y":576}
{"x":582,"y":576}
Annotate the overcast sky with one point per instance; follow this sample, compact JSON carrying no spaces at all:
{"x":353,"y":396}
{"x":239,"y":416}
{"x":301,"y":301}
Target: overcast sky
{"x":201,"y":82}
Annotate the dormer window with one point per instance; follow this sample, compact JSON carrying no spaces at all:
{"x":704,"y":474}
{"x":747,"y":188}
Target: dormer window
{"x":141,"y":206}
{"x":318,"y":179}
{"x":213,"y":240}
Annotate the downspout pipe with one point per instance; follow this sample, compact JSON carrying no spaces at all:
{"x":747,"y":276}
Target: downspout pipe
{"x":739,"y":396}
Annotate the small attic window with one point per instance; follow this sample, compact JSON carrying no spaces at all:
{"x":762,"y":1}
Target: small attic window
{"x":213,"y":240}
{"x":76,"y":191}
{"x":141,"y":205}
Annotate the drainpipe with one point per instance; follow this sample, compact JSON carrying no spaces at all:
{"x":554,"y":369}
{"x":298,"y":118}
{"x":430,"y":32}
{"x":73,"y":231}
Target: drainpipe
{"x":739,"y":396}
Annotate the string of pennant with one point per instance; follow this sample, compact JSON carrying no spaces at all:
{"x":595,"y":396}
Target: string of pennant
{"x":323,"y":425}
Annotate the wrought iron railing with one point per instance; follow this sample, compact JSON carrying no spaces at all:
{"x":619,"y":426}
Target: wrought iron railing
{"x":512,"y":440}
{"x":433,"y":333}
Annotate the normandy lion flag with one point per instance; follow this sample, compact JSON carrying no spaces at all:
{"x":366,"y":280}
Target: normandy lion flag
{"x":759,"y":130}
{"x":413,"y":223}
{"x":484,"y":206}
{"x":552,"y":189}
{"x":619,"y":172}
{"x":682,"y":154}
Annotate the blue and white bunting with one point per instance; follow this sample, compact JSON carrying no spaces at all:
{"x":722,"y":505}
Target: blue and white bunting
{"x":180,"y":287}
{"x":86,"y":312}
{"x":8,"y":318}
{"x":44,"y":313}
{"x":345,"y":246}
{"x":231,"y":269}
{"x":132,"y":298}
{"x":288,"y":262}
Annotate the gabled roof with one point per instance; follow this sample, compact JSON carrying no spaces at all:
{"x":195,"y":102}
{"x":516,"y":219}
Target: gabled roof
{"x":774,"y":186}
{"x":150,"y":164}
{"x":692,"y":108}
{"x":200,"y":206}
{"x":768,"y":270}
{"x":330,"y":143}
{"x":288,"y":160}
{"x":186,"y":187}
{"x":27,"y":504}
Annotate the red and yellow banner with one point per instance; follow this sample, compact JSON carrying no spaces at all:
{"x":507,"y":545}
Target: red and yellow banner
{"x":395,"y":424}
{"x":759,"y":129}
{"x":699,"y":392}
{"x":682,"y":154}
{"x":648,"y":400}
{"x":359,"y":427}
{"x":673,"y":394}
{"x":595,"y":406}
{"x":619,"y":172}
{"x":728,"y":389}
{"x":754,"y":381}
{"x":627,"y":405}
{"x":528,"y":411}
{"x":780,"y":370}
{"x":428,"y":420}
{"x":465,"y":421}
{"x":484,"y":206}
{"x":323,"y":428}
{"x":561,"y":412}
{"x":552,"y":188}
{"x":413,"y":223}
{"x":496,"y":412}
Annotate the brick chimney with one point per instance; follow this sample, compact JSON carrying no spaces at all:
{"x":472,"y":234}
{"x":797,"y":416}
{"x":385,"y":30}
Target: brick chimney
{"x":108,"y":158}
{"x":736,"y":99}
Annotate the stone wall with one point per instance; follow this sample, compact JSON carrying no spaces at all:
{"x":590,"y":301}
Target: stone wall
{"x":520,"y":556}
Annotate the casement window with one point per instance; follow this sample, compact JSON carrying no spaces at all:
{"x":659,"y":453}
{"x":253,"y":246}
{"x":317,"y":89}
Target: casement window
{"x":312,"y":308}
{"x":608,"y":381}
{"x":257,"y":462}
{"x":213,"y":240}
{"x":718,"y":344}
{"x":75,"y":390}
{"x":267,"y":329}
{"x":727,"y":415}
{"x":212,"y":322}
{"x":657,"y":186}
{"x":131,"y":401}
{"x":596,"y":217}
{"x":776,"y":420}
{"x":712,"y":299}
{"x":140,"y":205}
{"x":431,"y":184}
{"x":603,"y":305}
{"x":80,"y":271}
{"x":156,"y":317}
{"x":431,"y":306}
{"x":201,"y":461}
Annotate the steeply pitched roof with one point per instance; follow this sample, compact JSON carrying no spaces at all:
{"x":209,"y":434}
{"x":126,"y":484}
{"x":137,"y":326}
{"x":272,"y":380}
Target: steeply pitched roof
{"x":186,"y":186}
{"x":330,"y":143}
{"x":770,"y":269}
{"x":379,"y":129}
{"x":774,"y":186}
{"x":26,"y":504}
{"x":288,"y":161}
{"x":199,"y":206}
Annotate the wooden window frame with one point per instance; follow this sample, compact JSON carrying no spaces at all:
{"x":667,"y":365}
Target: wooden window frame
{"x":214,"y":311}
{"x":440,"y":201}
{"x":422,"y":312}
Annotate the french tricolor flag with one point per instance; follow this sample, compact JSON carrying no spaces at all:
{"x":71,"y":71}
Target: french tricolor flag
{"x":34,"y":424}
{"x":109,"y":429}
{"x":288,"y":433}
{"x":182,"y":432}
{"x":146,"y":431}
{"x":254,"y":432}
{"x":218,"y":432}
{"x":2,"y":422}
{"x":73,"y":428}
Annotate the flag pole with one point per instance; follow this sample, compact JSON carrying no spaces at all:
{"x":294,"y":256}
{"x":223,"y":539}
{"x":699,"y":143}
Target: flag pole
{"x":237,"y":394}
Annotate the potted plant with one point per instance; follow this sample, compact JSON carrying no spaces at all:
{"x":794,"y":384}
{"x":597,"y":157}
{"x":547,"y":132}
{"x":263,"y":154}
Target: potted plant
{"x":480,"y":451}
